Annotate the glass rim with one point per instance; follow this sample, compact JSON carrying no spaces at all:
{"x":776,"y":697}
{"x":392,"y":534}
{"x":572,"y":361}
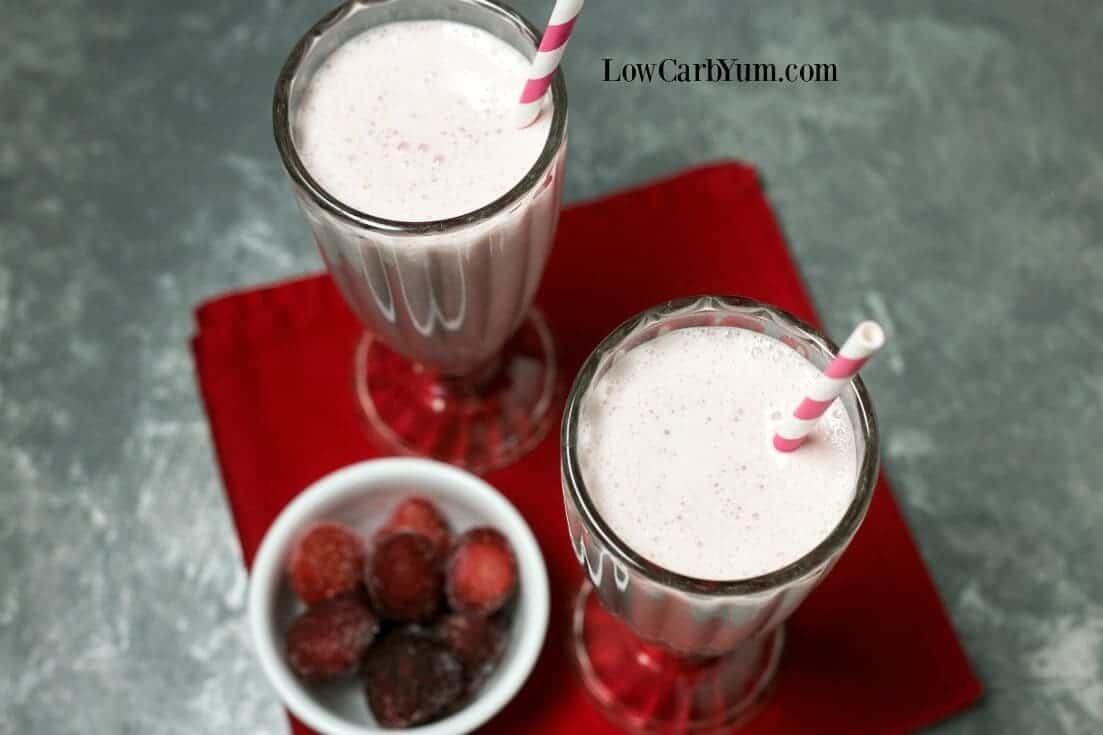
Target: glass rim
{"x":281,"y":121}
{"x":822,"y":553}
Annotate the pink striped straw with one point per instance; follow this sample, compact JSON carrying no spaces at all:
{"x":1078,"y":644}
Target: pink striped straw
{"x":862,"y":344}
{"x":547,"y":58}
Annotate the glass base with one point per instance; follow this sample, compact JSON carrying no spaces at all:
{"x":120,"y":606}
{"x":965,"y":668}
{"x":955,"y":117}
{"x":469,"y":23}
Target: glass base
{"x":480,"y":422}
{"x":647,"y":689}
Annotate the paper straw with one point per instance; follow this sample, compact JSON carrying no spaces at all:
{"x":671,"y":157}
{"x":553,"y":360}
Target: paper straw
{"x":547,"y":58}
{"x":862,"y":344}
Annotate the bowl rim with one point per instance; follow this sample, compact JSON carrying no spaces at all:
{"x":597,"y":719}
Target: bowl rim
{"x":267,"y":574}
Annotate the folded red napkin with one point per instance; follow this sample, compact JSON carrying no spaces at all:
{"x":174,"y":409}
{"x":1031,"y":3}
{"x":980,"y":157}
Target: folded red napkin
{"x":870,"y":651}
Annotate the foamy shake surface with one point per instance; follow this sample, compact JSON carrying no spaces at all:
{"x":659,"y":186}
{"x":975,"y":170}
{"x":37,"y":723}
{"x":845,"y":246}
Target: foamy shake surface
{"x":674,"y":446}
{"x":412,"y":121}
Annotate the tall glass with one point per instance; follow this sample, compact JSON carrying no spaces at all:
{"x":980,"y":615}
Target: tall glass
{"x":455,"y":364}
{"x":663,"y":652}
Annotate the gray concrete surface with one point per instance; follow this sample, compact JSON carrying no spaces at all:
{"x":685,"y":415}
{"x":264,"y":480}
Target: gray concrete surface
{"x":950,"y":184}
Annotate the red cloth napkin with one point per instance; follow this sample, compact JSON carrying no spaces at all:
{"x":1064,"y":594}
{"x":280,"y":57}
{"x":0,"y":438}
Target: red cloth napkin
{"x":870,"y":651}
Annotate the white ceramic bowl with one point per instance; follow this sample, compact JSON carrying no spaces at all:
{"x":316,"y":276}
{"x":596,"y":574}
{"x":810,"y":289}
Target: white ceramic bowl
{"x":362,"y":496}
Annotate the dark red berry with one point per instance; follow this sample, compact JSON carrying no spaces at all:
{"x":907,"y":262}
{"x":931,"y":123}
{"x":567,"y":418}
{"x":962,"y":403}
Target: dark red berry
{"x":477,"y":642}
{"x":481,"y":573}
{"x":405,"y":577}
{"x":328,"y":560}
{"x":329,"y":639}
{"x":411,"y":679}
{"x":419,"y":515}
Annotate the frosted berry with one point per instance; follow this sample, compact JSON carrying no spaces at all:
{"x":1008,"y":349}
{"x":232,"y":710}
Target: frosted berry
{"x":481,"y":572}
{"x":477,"y":642}
{"x":411,"y":679}
{"x":328,"y":640}
{"x":404,"y":577}
{"x":419,"y":515}
{"x":328,"y":560}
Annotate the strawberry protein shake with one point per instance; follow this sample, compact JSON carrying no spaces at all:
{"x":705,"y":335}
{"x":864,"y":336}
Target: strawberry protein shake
{"x":674,"y":444}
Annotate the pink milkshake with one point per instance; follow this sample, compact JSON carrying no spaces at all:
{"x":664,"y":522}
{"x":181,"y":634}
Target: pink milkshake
{"x":674,"y":444}
{"x":412,"y":121}
{"x":435,"y":215}
{"x":697,"y":537}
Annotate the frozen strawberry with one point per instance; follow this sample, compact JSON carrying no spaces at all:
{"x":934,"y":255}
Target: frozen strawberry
{"x":477,"y":642}
{"x":481,"y":573}
{"x":419,"y":515}
{"x":328,"y":560}
{"x":405,"y":577}
{"x":329,"y":639}
{"x":411,"y":679}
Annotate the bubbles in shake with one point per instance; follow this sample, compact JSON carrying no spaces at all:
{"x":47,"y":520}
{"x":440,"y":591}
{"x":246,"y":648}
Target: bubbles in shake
{"x":674,"y":446}
{"x":405,"y":121}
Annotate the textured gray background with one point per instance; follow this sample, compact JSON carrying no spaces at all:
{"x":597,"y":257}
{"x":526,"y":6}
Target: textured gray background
{"x":951,"y":185}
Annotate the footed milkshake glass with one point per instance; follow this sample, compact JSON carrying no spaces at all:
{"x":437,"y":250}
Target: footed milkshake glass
{"x":660,"y":652}
{"x":454,"y":364}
